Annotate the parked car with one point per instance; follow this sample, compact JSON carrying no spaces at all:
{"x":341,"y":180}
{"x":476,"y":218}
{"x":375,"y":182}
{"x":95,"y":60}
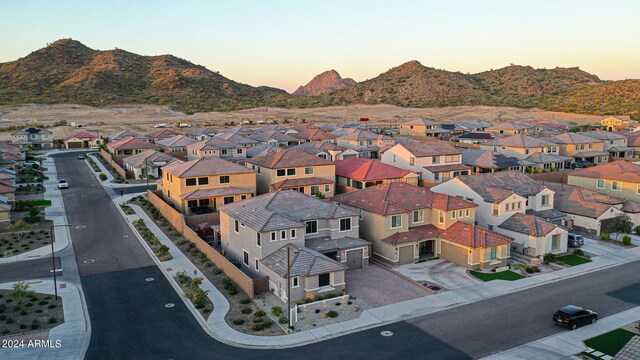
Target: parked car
{"x":81,"y":156}
{"x":63,"y":184}
{"x":575,"y":240}
{"x":572,"y":316}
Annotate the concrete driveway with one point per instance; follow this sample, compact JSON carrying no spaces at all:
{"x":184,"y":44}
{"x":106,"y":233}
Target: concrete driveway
{"x":447,"y":275}
{"x":378,"y":286}
{"x":597,"y":248}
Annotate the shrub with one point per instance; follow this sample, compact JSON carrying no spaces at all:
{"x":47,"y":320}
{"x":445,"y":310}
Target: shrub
{"x":605,"y":235}
{"x":308,"y":300}
{"x":102,"y":176}
{"x":277,"y":311}
{"x":163,"y":250}
{"x":246,"y":310}
{"x":245,"y":301}
{"x":332,"y":314}
{"x":578,"y":252}
{"x":536,"y":268}
{"x":338,"y":304}
{"x":549,"y":258}
{"x":52,"y":306}
{"x":238,"y":321}
{"x":283,"y":320}
{"x":260,"y":313}
{"x":233,"y":290}
{"x":636,"y":230}
{"x":33,"y":216}
{"x":34,"y":325}
{"x":626,"y":240}
{"x":319,"y":297}
{"x":529,"y":270}
{"x":53,"y":320}
{"x":258,"y":320}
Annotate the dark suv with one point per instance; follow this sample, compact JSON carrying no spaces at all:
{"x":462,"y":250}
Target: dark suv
{"x":572,"y":316}
{"x":575,"y":240}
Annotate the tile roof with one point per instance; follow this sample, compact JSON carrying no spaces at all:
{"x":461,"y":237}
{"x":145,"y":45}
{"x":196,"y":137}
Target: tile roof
{"x":519,"y":125}
{"x":264,"y":136}
{"x":461,"y":233}
{"x":177,"y":141}
{"x":573,"y":138}
{"x":363,"y":135}
{"x":368,"y":170}
{"x":302,"y":262}
{"x":315,"y":147}
{"x":282,"y":210}
{"x":488,"y":159}
{"x":31,"y":130}
{"x":633,"y":139}
{"x":498,"y":186}
{"x":83,"y":135}
{"x":162,"y":133}
{"x":581,"y":201}
{"x":130,"y":143}
{"x":326,"y":243}
{"x":263,"y":150}
{"x":201,"y":131}
{"x":617,"y":170}
{"x":123,"y":134}
{"x":446,"y":167}
{"x":213,"y":143}
{"x":546,"y":158}
{"x":6,"y":189}
{"x":528,"y":224}
{"x":297,"y":182}
{"x":520,"y":141}
{"x":313,"y":134}
{"x":151,"y":156}
{"x":420,"y":121}
{"x":602,"y":135}
{"x":399,"y":198}
{"x":430,"y":148}
{"x":236,"y":139}
{"x":204,"y":167}
{"x":288,"y":158}
{"x":208,"y":193}
{"x":478,"y":135}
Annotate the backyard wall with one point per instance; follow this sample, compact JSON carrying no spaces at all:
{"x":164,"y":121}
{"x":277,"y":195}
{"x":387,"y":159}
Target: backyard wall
{"x":125,"y":174}
{"x":251,"y":286}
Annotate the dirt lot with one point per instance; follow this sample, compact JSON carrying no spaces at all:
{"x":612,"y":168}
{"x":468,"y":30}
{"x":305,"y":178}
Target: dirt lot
{"x":142,"y":118}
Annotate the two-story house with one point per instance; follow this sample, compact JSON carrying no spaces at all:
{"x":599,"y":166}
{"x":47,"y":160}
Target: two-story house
{"x":202,"y":185}
{"x":35,"y":137}
{"x":160,"y":134}
{"x":322,"y":240}
{"x":148,"y":163}
{"x":275,"y":138}
{"x":201,"y":133}
{"x":310,"y":133}
{"x":326,"y":150}
{"x":514,"y":128}
{"x":434,"y":160}
{"x":616,"y":123}
{"x":216,"y":147}
{"x":615,"y":144}
{"x":583,"y":149}
{"x":239,"y":140}
{"x":423,"y":127}
{"x":128,"y":146}
{"x":176,"y":146}
{"x":407,"y":224}
{"x":540,"y":153}
{"x":619,"y":178}
{"x":294,"y":169}
{"x":366,"y":143}
{"x":359,"y":173}
{"x":487,"y":161}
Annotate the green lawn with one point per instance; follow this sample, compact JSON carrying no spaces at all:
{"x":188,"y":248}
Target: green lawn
{"x":573,"y":260}
{"x":611,"y":342}
{"x":29,"y":203}
{"x":503,"y":275}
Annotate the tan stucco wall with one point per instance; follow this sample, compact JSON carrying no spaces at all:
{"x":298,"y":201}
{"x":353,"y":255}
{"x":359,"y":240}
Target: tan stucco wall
{"x":628,"y":190}
{"x":266,"y":177}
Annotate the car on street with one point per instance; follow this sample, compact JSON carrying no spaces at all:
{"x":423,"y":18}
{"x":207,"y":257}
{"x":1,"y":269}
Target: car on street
{"x":81,"y":156}
{"x":575,"y":240}
{"x":63,"y":184}
{"x":572,"y":316}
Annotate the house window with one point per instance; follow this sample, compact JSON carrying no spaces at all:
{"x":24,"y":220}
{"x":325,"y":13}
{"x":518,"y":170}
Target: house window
{"x":324,"y":279}
{"x":418,"y":216}
{"x":490,"y":227}
{"x":258,"y":170}
{"x":638,"y":189}
{"x":256,"y":263}
{"x":615,"y":185}
{"x":223,"y":152}
{"x":273,"y":236}
{"x":203,"y":181}
{"x":467,"y":213}
{"x":281,"y":172}
{"x":435,"y":160}
{"x":236,"y":226}
{"x":283,"y":235}
{"x":191,"y":182}
{"x":360,"y":214}
{"x":441,"y":217}
{"x":396,"y":221}
{"x":192,"y":203}
{"x":590,"y":146}
{"x":327,"y":188}
{"x":312,"y":227}
{"x":293,"y":234}
{"x":460,"y":214}
{"x":291,"y":172}
{"x":245,"y":258}
{"x":495,"y":209}
{"x":225,"y":179}
{"x":436,"y":176}
{"x":555,"y":242}
{"x":239,"y":152}
{"x":394,"y":158}
{"x":228,"y":199}
{"x":600,"y":184}
{"x":308,"y":171}
{"x":204,"y":202}
{"x":545,"y":200}
{"x":519,"y":205}
{"x":450,"y":158}
{"x":453,"y":214}
{"x":258,"y":240}
{"x":412,"y":161}
{"x":493,"y":253}
{"x":295,"y":282}
{"x":345,"y":224}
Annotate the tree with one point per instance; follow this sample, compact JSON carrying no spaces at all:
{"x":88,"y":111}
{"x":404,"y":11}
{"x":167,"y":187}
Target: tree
{"x":33,"y":216}
{"x":621,"y":224}
{"x":21,"y":291}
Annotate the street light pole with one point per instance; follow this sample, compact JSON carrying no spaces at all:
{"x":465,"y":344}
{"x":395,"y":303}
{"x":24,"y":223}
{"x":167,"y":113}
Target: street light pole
{"x":146,"y":167}
{"x":289,"y":284}
{"x":53,"y":257}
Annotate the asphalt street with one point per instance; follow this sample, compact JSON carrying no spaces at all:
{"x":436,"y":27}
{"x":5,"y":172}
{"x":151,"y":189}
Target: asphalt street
{"x":34,"y":269}
{"x":129,"y":319}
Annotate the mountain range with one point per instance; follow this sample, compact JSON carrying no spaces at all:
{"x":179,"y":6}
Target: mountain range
{"x":70,"y":72}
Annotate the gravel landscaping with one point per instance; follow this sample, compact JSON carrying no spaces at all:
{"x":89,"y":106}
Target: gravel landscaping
{"x":29,"y":312}
{"x":19,"y":241}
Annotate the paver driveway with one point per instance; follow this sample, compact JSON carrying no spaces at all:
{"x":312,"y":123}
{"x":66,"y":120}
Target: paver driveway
{"x":378,"y":286}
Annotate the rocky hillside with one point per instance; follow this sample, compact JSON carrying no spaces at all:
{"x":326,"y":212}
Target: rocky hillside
{"x":324,"y":83}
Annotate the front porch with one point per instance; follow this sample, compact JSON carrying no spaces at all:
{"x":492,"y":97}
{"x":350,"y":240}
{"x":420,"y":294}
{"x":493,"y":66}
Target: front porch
{"x":203,"y":201}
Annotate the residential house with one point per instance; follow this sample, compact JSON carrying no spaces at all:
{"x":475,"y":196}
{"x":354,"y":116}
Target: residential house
{"x":263,"y":150}
{"x":359,"y":173}
{"x":322,"y":239}
{"x":147,"y":162}
{"x":176,"y":146}
{"x":616,"y":123}
{"x":633,"y":141}
{"x":615,"y":144}
{"x":294,"y":169}
{"x":238,"y":139}
{"x":461,"y":127}
{"x":534,"y":236}
{"x":307,"y":134}
{"x":326,"y":150}
{"x":540,"y":153}
{"x":275,"y":138}
{"x":423,"y":127}
{"x":487,"y":161}
{"x":584,"y":149}
{"x":201,"y":133}
{"x":33,"y":137}
{"x":514,"y":128}
{"x":619,"y":178}
{"x":476,"y":137}
{"x":124,"y":134}
{"x":80,"y":140}
{"x":366,"y":143}
{"x":5,"y":209}
{"x":238,"y":130}
{"x":128,"y":146}
{"x":407,"y":224}
{"x":217,"y":147}
{"x":202,"y":185}
{"x":434,"y":160}
{"x":161,"y":134}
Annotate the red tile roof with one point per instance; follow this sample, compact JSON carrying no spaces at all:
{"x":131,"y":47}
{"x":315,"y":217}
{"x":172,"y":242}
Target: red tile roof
{"x":400,"y":198}
{"x":617,"y":170}
{"x":288,"y":158}
{"x":131,"y":143}
{"x":291,"y":183}
{"x":83,"y":135}
{"x":528,"y":224}
{"x":461,"y":233}
{"x":430,"y":148}
{"x":204,"y":167}
{"x":368,"y":170}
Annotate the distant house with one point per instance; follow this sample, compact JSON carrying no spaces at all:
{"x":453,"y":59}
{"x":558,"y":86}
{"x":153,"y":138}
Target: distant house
{"x":487,"y":161}
{"x":359,"y":173}
{"x":202,"y":133}
{"x":263,"y":150}
{"x":476,"y":137}
{"x":326,"y":150}
{"x":423,"y":127}
{"x":583,"y":149}
{"x":366,"y":143}
{"x":533,"y":235}
{"x":275,"y":138}
{"x":616,"y":123}
{"x":35,"y":137}
{"x":539,"y":153}
{"x":216,"y":147}
{"x":619,"y":178}
{"x":514,"y":128}
{"x":160,"y":134}
{"x":128,"y":146}
{"x":434,"y":160}
{"x":123,"y":134}
{"x":81,"y":139}
{"x":147,"y":162}
{"x":176,"y":146}
{"x":615,"y":144}
{"x":313,"y":134}
{"x":239,"y":140}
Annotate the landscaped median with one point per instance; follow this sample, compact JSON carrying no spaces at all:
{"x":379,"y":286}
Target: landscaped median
{"x":22,"y":310}
{"x":160,"y":250}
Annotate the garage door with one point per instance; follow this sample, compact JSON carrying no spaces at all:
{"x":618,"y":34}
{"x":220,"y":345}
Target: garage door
{"x":354,"y":259}
{"x":406,"y":255}
{"x":605,"y":223}
{"x":74,"y":144}
{"x":453,"y":253}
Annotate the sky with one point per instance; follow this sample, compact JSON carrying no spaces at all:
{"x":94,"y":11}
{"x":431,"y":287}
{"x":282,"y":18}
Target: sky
{"x":284,"y":43}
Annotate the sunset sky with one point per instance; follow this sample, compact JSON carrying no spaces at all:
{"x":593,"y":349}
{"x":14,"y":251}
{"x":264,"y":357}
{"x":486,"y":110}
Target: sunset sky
{"x":285,"y":43}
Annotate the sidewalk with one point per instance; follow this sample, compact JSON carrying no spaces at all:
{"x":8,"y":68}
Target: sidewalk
{"x":567,"y":343}
{"x":110,"y":178}
{"x":71,"y":333}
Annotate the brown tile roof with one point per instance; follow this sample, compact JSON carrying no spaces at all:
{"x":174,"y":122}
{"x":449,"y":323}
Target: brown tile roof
{"x":581,"y":201}
{"x":617,"y":170}
{"x":400,"y":198}
{"x":520,"y":141}
{"x":489,"y":185}
{"x":430,"y":148}
{"x":131,"y":143}
{"x":461,"y":233}
{"x":177,"y":141}
{"x":208,"y":193}
{"x":151,"y":156}
{"x":6,"y":189}
{"x":288,"y":158}
{"x":161,"y":133}
{"x":313,"y":134}
{"x":83,"y":135}
{"x":204,"y":167}
{"x":213,"y":143}
{"x":291,"y":183}
{"x":448,"y":167}
{"x":368,"y":170}
{"x":420,"y":121}
{"x":528,"y":224}
{"x":573,"y":138}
